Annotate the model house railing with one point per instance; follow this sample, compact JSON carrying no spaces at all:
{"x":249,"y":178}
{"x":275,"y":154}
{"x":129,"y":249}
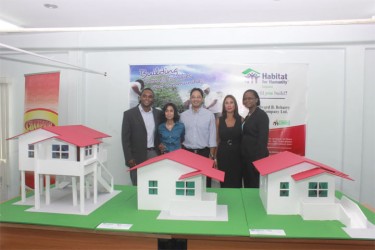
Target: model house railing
{"x":104,"y":177}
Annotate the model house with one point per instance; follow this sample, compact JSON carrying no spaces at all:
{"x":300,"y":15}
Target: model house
{"x":176,"y":182}
{"x":293,"y":184}
{"x":75,"y":151}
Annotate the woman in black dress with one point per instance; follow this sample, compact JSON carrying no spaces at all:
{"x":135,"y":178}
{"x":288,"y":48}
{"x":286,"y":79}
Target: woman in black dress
{"x":255,"y":129}
{"x":228,"y":128}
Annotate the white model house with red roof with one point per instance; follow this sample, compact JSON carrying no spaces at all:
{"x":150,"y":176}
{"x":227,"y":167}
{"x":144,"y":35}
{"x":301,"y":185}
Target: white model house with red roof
{"x":175,"y":183}
{"x":73,"y":150}
{"x":292,"y":184}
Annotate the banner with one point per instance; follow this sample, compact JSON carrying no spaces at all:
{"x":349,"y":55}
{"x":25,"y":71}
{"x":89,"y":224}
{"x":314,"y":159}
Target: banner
{"x":41,"y":106}
{"x":41,"y":100}
{"x":281,"y":87}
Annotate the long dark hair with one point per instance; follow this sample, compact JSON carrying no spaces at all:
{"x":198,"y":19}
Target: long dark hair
{"x":224,"y":112}
{"x":176,"y":116}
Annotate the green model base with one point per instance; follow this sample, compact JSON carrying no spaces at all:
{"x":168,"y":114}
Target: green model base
{"x":245,"y":211}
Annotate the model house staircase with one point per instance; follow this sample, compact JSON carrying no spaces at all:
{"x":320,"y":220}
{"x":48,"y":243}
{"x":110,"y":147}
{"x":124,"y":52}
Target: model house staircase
{"x":105,"y":179}
{"x":351,"y":215}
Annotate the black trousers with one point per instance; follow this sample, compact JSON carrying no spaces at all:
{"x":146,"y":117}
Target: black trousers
{"x":203,"y":152}
{"x":250,"y":176}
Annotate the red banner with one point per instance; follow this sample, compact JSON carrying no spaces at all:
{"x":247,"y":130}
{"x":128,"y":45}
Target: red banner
{"x":41,"y":100}
{"x":287,"y":139}
{"x":41,"y":105}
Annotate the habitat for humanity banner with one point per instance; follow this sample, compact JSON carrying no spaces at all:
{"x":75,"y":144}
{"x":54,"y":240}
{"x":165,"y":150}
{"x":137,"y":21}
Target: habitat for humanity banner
{"x":281,"y":87}
{"x":41,"y":100}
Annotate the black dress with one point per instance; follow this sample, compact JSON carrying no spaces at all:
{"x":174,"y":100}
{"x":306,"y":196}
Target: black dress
{"x":229,"y":153}
{"x":254,"y":145}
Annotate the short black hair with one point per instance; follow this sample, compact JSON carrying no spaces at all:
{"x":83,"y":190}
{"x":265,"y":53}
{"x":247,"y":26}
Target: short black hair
{"x":197,"y":89}
{"x":143,"y":90}
{"x":254,"y":93}
{"x":176,"y":116}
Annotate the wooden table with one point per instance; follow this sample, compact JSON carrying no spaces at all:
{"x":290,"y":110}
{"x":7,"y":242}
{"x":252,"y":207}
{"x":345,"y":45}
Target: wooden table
{"x":25,"y":236}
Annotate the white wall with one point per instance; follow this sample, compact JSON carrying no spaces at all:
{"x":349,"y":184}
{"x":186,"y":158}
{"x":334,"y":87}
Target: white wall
{"x":367,"y":186}
{"x":341,"y":59}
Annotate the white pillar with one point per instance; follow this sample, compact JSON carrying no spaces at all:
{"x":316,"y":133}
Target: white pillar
{"x":23,"y":186}
{"x":74,"y":190}
{"x":48,"y":185}
{"x":82,"y":193}
{"x":95,"y":183}
{"x":36,"y":190}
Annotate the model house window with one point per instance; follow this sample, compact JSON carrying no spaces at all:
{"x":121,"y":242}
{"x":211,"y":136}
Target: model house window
{"x":318,"y":189}
{"x":60,"y":151}
{"x":31,"y":150}
{"x":88,"y":150}
{"x":284,"y":189}
{"x":153,"y":187}
{"x":185,"y":188}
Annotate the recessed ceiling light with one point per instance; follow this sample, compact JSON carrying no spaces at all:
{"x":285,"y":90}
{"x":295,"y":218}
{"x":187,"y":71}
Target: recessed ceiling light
{"x":50,"y":6}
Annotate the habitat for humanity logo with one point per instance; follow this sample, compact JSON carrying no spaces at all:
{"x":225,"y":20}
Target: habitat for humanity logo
{"x":252,"y":75}
{"x":281,"y":122}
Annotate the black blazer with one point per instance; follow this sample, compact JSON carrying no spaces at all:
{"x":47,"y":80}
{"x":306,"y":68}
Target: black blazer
{"x":134,"y":134}
{"x":255,"y":132}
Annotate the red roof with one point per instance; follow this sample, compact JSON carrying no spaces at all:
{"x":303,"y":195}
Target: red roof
{"x":199,"y":164}
{"x":283,"y":160}
{"x":78,"y":135}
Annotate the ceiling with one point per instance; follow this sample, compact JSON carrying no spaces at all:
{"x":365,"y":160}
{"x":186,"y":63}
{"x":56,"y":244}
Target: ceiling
{"x":104,"y":13}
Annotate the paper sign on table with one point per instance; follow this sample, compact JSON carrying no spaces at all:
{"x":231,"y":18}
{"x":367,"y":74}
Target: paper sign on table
{"x":278,"y":232}
{"x":115,"y":226}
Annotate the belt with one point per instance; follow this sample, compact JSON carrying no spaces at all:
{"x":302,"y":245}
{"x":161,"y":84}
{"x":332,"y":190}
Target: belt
{"x":151,"y":149}
{"x":196,"y":150}
{"x":230,"y":142}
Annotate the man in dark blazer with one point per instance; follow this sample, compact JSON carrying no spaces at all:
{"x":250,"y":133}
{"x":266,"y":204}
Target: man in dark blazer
{"x":139,"y":132}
